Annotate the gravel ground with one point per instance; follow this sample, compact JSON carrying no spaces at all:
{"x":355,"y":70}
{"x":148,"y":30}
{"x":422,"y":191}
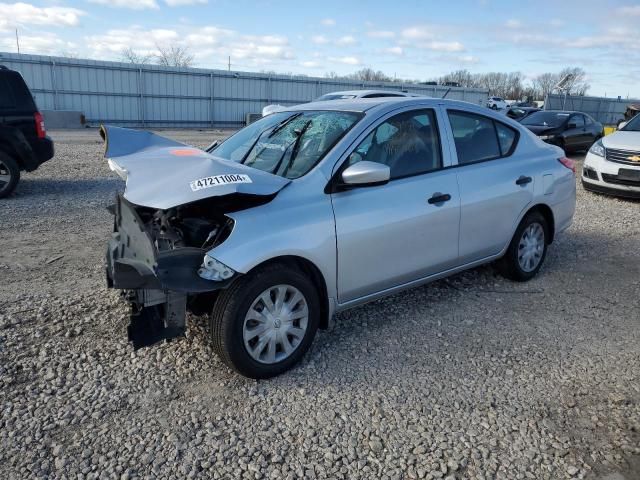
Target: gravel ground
{"x":471,"y":377}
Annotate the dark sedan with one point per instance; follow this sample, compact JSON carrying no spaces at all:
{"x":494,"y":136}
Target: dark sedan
{"x":570,"y":131}
{"x":520,"y":113}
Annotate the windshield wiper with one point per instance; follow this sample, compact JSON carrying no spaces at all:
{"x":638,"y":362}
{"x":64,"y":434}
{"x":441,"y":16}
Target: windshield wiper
{"x":283,"y":124}
{"x":253,"y":145}
{"x":294,"y":144}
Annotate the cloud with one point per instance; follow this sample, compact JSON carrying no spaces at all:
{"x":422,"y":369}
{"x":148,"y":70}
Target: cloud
{"x":345,"y":60}
{"x":345,"y":41}
{"x":311,"y":64}
{"x":633,"y":10}
{"x":16,"y":14}
{"x":381,"y":34}
{"x":319,"y":39}
{"x":443,"y":46}
{"x":208,"y":36}
{"x":468,"y":59}
{"x":328,"y":22}
{"x":556,"y":22}
{"x":131,"y":4}
{"x":417,"y":33}
{"x":43,"y":43}
{"x":513,"y":23}
{"x":394,"y":51}
{"x":182,"y":3}
{"x":113,"y":42}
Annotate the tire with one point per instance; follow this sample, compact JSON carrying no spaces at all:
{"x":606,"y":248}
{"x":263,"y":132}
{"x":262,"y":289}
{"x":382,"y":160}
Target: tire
{"x":510,"y":265}
{"x":8,"y":168}
{"x":494,"y":107}
{"x":230,"y":325}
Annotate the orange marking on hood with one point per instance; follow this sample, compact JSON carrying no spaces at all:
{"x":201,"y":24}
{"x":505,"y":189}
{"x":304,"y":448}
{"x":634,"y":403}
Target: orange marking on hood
{"x":185,"y":152}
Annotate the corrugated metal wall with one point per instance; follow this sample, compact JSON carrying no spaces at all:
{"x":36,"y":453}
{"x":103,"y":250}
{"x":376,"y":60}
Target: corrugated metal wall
{"x":152,"y":95}
{"x":607,"y":111}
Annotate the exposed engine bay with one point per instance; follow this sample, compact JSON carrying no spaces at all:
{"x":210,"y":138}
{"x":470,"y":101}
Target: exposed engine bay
{"x":158,"y":258}
{"x":185,"y":226}
{"x":167,"y":225}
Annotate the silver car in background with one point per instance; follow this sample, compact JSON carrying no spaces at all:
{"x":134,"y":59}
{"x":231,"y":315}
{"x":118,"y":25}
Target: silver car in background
{"x":320,"y":208}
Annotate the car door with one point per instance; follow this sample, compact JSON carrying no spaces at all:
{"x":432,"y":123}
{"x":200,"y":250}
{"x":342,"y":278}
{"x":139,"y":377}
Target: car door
{"x":406,"y":229}
{"x":575,"y":135}
{"x":495,"y":183}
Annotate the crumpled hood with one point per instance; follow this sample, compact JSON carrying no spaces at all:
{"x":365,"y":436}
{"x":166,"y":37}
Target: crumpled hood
{"x":162,"y":173}
{"x":623,"y":140}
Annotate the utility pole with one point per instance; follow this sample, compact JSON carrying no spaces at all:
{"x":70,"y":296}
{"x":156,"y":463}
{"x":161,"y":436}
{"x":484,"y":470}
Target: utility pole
{"x":17,"y":41}
{"x":229,"y":64}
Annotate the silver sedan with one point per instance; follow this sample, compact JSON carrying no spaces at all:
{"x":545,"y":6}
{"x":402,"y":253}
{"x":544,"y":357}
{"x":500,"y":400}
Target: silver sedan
{"x":320,"y":208}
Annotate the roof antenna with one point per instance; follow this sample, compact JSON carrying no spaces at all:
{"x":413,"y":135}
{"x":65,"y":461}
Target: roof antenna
{"x":446,"y":93}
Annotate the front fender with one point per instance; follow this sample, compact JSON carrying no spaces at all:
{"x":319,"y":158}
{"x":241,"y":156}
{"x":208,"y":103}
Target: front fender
{"x":298,"y":222}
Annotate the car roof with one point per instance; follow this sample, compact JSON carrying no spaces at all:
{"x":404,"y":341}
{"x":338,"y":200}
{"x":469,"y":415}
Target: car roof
{"x":366,"y":104}
{"x":568,"y":112}
{"x":360,"y":93}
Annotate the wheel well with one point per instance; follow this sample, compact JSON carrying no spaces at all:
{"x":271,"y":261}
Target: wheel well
{"x":546,"y":212}
{"x":314,"y":274}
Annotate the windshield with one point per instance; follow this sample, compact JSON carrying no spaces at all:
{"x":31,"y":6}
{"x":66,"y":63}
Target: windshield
{"x":633,"y":125}
{"x":546,"y":119}
{"x":333,"y":96}
{"x":287,"y":144}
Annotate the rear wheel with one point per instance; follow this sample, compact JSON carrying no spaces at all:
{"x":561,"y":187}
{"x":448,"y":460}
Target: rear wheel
{"x":264,"y":323}
{"x":527,"y":250}
{"x":9,"y":174}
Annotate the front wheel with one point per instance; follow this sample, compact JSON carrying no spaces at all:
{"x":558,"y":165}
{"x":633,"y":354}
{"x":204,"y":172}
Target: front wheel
{"x":263,"y":324}
{"x":527,"y":250}
{"x":9,"y":174}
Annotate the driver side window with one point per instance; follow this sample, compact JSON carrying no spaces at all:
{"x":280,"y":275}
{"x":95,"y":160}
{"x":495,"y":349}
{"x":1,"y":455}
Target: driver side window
{"x":408,"y":143}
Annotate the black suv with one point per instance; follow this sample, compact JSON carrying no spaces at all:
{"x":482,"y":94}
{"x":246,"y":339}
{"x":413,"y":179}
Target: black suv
{"x":24,"y":143}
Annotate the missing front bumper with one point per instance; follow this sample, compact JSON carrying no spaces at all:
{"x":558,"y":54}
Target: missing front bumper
{"x":157,"y":285}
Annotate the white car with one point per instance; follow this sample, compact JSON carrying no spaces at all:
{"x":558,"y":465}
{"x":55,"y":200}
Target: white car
{"x":612,"y":165}
{"x":346,"y":95}
{"x":496,"y":103}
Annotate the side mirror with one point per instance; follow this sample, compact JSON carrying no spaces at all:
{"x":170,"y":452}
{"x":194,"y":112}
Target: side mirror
{"x":366,"y":173}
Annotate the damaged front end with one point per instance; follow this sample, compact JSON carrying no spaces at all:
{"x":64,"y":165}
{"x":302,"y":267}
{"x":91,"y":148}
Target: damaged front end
{"x":171,"y":216}
{"x":158,"y":258}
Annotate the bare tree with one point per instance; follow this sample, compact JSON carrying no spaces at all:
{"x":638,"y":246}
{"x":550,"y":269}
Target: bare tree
{"x":370,"y":75}
{"x":129,"y":55}
{"x":543,"y":84}
{"x":68,"y":54}
{"x":578,"y":84}
{"x":174,"y":56}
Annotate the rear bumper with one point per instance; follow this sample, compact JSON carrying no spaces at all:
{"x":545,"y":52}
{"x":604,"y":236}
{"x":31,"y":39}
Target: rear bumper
{"x":155,"y":284}
{"x":42,"y":150}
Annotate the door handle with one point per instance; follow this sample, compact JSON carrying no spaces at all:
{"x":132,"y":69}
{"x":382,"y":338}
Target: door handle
{"x":439,"y":198}
{"x":522,"y":180}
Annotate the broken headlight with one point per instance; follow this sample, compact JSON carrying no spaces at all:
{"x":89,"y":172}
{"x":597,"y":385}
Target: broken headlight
{"x":212,"y":269}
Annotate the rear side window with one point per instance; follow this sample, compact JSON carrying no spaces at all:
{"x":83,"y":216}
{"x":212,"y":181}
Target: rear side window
{"x":7,"y":98}
{"x":506,"y":138}
{"x":480,"y":138}
{"x":14,"y":94}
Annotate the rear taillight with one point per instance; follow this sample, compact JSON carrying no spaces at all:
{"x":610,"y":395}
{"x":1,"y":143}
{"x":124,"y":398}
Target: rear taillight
{"x":567,"y":162}
{"x":40,"y":130}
